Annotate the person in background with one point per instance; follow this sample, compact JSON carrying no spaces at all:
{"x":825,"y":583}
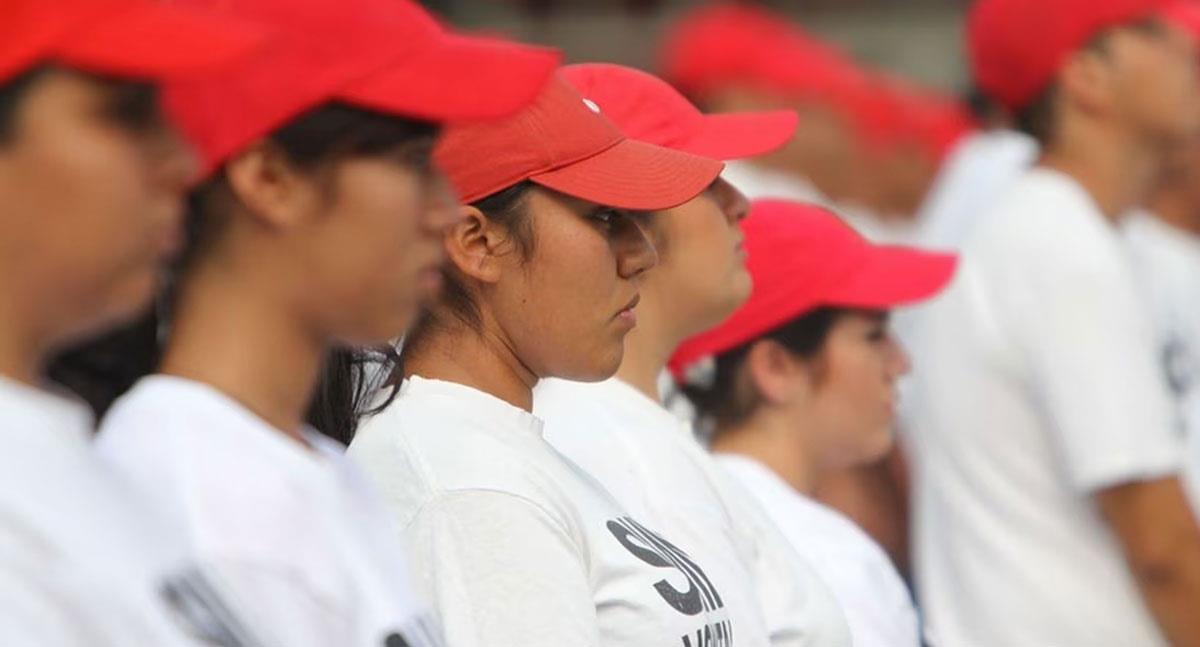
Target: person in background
{"x":910,"y":132}
{"x":514,"y":544}
{"x":729,"y":57}
{"x":1048,"y":503}
{"x":92,"y":181}
{"x":317,"y":222}
{"x":619,"y":431}
{"x":1164,"y":237}
{"x":801,"y":381}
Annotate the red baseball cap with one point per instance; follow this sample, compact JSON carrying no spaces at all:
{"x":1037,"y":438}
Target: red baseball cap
{"x":1186,"y":14}
{"x":802,"y":257}
{"x":1017,"y":46}
{"x":385,"y":55}
{"x":128,"y":38}
{"x":648,"y":109}
{"x":563,"y":142}
{"x":738,"y":44}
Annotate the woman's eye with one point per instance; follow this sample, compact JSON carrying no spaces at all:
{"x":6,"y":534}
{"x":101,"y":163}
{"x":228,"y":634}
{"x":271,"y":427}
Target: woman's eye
{"x":605,"y":216}
{"x":877,"y":335}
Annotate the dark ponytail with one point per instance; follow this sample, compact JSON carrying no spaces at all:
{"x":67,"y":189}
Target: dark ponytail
{"x":102,"y":369}
{"x":720,"y":396}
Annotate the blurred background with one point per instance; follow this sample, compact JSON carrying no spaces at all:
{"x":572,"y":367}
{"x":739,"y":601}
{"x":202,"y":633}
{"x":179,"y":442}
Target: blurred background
{"x":919,"y":39}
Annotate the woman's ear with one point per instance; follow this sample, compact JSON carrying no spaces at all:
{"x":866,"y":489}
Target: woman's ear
{"x":270,"y":188}
{"x":778,"y":376}
{"x":1086,"y":80}
{"x":477,"y":246}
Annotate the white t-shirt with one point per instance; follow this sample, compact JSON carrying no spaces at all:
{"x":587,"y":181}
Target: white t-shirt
{"x":1039,"y":386}
{"x":518,"y":547}
{"x":294,"y":535}
{"x":83,"y":561}
{"x":977,"y":173}
{"x":1168,"y":261}
{"x":652,"y":464}
{"x":878,"y":606}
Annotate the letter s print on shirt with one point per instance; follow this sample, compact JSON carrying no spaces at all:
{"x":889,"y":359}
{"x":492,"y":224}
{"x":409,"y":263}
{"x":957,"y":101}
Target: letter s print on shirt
{"x":658,"y":552}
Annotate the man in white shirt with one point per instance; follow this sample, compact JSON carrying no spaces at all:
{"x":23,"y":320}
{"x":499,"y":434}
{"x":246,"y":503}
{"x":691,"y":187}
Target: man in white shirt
{"x":91,"y":190}
{"x":1048,"y":505}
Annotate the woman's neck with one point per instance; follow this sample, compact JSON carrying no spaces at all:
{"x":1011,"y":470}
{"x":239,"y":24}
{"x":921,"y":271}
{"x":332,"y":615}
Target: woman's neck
{"x":19,"y":357}
{"x":649,"y":346}
{"x":1177,"y":211}
{"x":248,"y":344}
{"x":23,"y":348}
{"x":482,"y":361}
{"x":774,"y":441}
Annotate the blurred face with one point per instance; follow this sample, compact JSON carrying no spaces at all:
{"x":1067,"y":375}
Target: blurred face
{"x":91,"y":190}
{"x":901,"y":177}
{"x":1155,"y":79}
{"x":375,"y":251}
{"x":826,"y":151}
{"x":566,"y":309}
{"x":701,"y":277}
{"x":851,"y":387}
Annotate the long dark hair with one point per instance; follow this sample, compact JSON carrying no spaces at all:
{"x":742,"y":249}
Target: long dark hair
{"x":718,"y":397}
{"x":102,"y":369}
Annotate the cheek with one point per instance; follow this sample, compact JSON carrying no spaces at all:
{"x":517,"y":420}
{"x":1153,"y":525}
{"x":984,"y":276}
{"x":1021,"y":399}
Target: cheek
{"x":858,"y":377}
{"x":561,"y":305}
{"x":367,"y":266}
{"x":106,"y":226}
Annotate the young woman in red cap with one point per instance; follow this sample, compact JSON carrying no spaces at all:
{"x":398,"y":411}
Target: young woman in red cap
{"x":92,"y":181}
{"x":801,"y":381}
{"x":617,"y":429}
{"x":514,"y":544}
{"x":317,"y":223}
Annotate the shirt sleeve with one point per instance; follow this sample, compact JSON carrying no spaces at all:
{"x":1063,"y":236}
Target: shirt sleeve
{"x":501,"y":571}
{"x":1095,"y":366}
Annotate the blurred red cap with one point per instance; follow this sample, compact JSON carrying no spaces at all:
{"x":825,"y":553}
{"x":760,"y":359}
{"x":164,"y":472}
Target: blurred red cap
{"x":1186,"y":14}
{"x":802,"y":257}
{"x":648,"y":109}
{"x":1017,"y":46}
{"x":893,"y":111}
{"x":384,"y":55}
{"x":128,"y":38}
{"x":563,"y":142}
{"x":737,"y":44}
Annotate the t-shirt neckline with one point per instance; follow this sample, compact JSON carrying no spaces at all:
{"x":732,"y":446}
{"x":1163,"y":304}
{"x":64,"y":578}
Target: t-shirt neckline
{"x":478,"y":403}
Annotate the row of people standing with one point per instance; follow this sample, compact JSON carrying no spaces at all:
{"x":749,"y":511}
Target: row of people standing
{"x":1052,"y":403}
{"x":318,"y":215}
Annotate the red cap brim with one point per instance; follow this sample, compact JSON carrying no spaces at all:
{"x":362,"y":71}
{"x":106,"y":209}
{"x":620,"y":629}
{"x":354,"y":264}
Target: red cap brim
{"x":739,"y":135}
{"x":157,"y":41}
{"x":492,"y":78}
{"x":635,"y":175}
{"x":894,"y":276}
